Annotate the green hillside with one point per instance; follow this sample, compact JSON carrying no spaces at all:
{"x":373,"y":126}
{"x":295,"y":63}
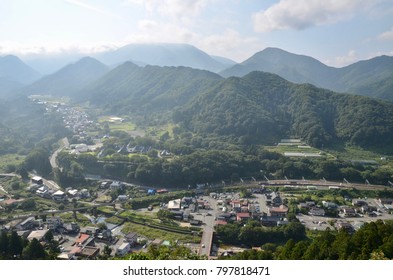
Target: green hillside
{"x":262,"y":108}
{"x":132,"y":89}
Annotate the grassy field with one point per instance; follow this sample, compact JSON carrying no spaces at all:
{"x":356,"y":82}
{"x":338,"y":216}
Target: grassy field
{"x":122,"y":125}
{"x":10,"y":159}
{"x":153,"y":233}
{"x":299,"y":149}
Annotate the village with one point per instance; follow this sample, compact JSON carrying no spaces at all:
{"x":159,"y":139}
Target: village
{"x":197,"y":215}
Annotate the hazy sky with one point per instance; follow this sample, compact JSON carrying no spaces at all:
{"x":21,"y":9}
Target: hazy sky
{"x":337,"y":32}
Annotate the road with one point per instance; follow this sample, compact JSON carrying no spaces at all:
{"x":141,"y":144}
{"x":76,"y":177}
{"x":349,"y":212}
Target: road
{"x":208,"y":219}
{"x":63,"y":144}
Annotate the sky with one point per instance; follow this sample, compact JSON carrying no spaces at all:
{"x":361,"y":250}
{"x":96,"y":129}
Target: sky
{"x":336,"y":32}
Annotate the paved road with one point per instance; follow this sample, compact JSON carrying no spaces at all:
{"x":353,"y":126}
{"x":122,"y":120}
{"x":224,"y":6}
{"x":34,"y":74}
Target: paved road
{"x":208,"y":218}
{"x":63,"y":144}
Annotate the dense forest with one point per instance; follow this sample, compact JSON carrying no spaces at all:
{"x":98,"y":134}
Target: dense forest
{"x":261,"y":108}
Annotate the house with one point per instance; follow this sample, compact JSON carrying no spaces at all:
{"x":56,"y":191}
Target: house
{"x":359,"y":203}
{"x":242,"y":216}
{"x":72,"y":192}
{"x":236,"y":205}
{"x":315,"y":211}
{"x":53,"y":223}
{"x":71,"y":227}
{"x":84,"y":240}
{"x":37,"y":180}
{"x":59,"y":196}
{"x":122,"y":197}
{"x":116,"y":185}
{"x":329,"y":205}
{"x":348,"y":212}
{"x":160,"y":191}
{"x":123,"y":249}
{"x":37,"y":234}
{"x":105,"y":184}
{"x":224,"y":216}
{"x":27,"y":224}
{"x":384,"y":201}
{"x":105,"y":235}
{"x":195,"y":222}
{"x":90,"y":230}
{"x":346,"y":226}
{"x":42,"y":191}
{"x":84,"y":193}
{"x":280,"y":211}
{"x":303,"y":206}
{"x":131,"y":238}
{"x":87,"y":252}
{"x":174,"y":204}
{"x":221,"y":222}
{"x":187,"y":200}
{"x":270,"y":221}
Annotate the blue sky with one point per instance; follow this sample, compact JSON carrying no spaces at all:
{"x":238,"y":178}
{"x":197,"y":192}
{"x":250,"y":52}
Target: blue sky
{"x":337,"y":32}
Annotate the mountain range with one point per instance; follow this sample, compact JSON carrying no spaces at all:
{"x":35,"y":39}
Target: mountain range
{"x":164,"y":55}
{"x":258,"y":107}
{"x":371,"y":77}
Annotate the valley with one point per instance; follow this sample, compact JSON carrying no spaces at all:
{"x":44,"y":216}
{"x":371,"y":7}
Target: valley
{"x":112,"y":150}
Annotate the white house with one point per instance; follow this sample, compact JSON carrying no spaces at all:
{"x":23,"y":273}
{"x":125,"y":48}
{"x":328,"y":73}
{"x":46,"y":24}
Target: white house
{"x":123,"y":249}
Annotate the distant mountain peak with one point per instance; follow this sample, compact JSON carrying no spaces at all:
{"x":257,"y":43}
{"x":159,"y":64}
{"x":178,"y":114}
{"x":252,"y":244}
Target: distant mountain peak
{"x":162,"y":54}
{"x":14,"y":69}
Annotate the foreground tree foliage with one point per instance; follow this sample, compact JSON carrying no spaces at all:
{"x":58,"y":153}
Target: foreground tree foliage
{"x":172,"y":252}
{"x":12,"y":246}
{"x":373,"y":241}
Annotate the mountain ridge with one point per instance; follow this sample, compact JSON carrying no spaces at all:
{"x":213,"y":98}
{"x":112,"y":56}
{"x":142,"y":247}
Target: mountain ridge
{"x":69,"y":80}
{"x":357,"y":78}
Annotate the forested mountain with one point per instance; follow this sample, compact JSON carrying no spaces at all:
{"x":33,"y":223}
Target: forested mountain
{"x":14,"y":74}
{"x":162,"y":55}
{"x":130,"y":88}
{"x":69,"y":80}
{"x":15,"y":70}
{"x":262,"y":108}
{"x":370,"y":77}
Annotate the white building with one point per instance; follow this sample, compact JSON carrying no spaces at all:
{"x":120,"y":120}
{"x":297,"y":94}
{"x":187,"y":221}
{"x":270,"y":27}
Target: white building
{"x":123,"y":249}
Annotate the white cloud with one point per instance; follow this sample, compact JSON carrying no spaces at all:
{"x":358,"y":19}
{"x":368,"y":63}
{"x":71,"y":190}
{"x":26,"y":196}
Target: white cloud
{"x":181,"y":10}
{"x":386,"y":36}
{"x":230,"y":44}
{"x":341,"y":61}
{"x":19,"y":49}
{"x":302,"y":14}
{"x":150,"y":31}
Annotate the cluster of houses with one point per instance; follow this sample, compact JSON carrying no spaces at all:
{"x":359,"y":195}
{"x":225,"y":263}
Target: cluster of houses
{"x":236,"y":209}
{"x":359,"y":207}
{"x":130,"y":149}
{"x":75,"y":242}
{"x":184,"y":208}
{"x":40,"y":189}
